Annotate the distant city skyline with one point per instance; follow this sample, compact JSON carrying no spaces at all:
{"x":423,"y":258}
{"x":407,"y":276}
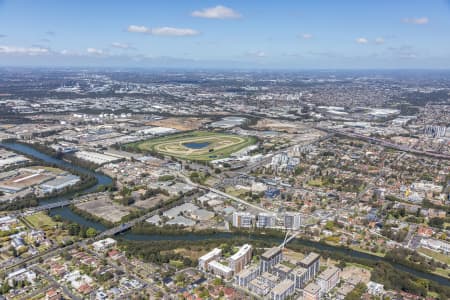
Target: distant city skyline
{"x":323,"y":34}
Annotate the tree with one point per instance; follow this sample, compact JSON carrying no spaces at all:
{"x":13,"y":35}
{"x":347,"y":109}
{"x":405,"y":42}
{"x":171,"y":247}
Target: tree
{"x":357,"y":292}
{"x":217,"y":281}
{"x":342,"y":264}
{"x":329,"y":225}
{"x":74,"y":229}
{"x":5,"y":288}
{"x":436,"y":222}
{"x":91,"y":232}
{"x":57,"y":218}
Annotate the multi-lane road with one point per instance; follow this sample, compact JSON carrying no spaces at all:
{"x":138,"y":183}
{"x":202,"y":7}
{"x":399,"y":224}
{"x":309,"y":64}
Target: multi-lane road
{"x":386,"y":143}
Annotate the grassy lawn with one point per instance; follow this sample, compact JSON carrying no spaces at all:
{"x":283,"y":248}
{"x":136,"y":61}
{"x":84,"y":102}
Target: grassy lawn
{"x":356,"y":248}
{"x":436,"y":255}
{"x":50,"y":169}
{"x":207,"y":145}
{"x":235,"y":192}
{"x":40,"y":220}
{"x":359,"y":266}
{"x":315,"y":182}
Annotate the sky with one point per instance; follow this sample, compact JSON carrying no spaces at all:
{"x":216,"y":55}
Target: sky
{"x":260,"y":34}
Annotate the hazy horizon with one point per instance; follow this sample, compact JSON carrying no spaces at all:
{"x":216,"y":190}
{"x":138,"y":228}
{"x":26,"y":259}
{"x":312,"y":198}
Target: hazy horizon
{"x":226,"y":34}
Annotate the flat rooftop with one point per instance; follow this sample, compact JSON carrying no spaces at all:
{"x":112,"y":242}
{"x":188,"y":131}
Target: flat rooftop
{"x":282,"y":286}
{"x":328,"y":273}
{"x":271,"y":253}
{"x":269,"y":277}
{"x":217,"y":265}
{"x":241,"y":252}
{"x":299,"y":271}
{"x":211,"y":254}
{"x":283,"y":268}
{"x":310,"y":258}
{"x":312,"y":288}
{"x":247,"y":271}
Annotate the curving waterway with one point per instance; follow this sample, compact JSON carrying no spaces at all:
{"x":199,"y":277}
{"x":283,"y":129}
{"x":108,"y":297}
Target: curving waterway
{"x":102,"y":179}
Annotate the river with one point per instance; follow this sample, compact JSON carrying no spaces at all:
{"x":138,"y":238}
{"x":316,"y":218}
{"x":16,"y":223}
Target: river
{"x":68,"y":214}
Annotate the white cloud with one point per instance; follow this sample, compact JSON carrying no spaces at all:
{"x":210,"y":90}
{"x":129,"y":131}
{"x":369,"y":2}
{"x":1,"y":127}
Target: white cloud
{"x":23,"y":50}
{"x":417,"y":21}
{"x":172,"y":31}
{"x":379,"y":40}
{"x":120,"y":45}
{"x":138,"y":29}
{"x":163,"y":31}
{"x":94,"y":51}
{"x":307,"y":36}
{"x":217,"y":12}
{"x":362,"y":40}
{"x":257,"y":53}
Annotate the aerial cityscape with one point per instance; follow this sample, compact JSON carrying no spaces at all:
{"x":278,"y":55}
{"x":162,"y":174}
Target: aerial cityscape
{"x":184,"y":150}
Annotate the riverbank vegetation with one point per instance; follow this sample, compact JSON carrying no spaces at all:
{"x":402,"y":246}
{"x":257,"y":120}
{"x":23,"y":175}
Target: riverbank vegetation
{"x":74,"y":229}
{"x":383,"y":270}
{"x":87,"y":180}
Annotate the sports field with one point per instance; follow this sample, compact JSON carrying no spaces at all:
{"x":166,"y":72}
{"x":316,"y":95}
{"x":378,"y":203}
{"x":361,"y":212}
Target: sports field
{"x":40,"y":220}
{"x":197,"y":145}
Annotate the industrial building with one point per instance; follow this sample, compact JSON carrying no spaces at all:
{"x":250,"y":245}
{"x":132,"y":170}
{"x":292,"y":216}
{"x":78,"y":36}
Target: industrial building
{"x":59,"y":183}
{"x":97,"y":158}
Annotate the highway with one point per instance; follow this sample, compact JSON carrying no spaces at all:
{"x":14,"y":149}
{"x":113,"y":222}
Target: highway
{"x":386,"y":143}
{"x":216,"y":191}
{"x":247,"y":169}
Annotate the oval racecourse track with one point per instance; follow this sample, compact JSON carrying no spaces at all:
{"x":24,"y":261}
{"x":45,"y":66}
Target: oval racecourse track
{"x":219,"y":145}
